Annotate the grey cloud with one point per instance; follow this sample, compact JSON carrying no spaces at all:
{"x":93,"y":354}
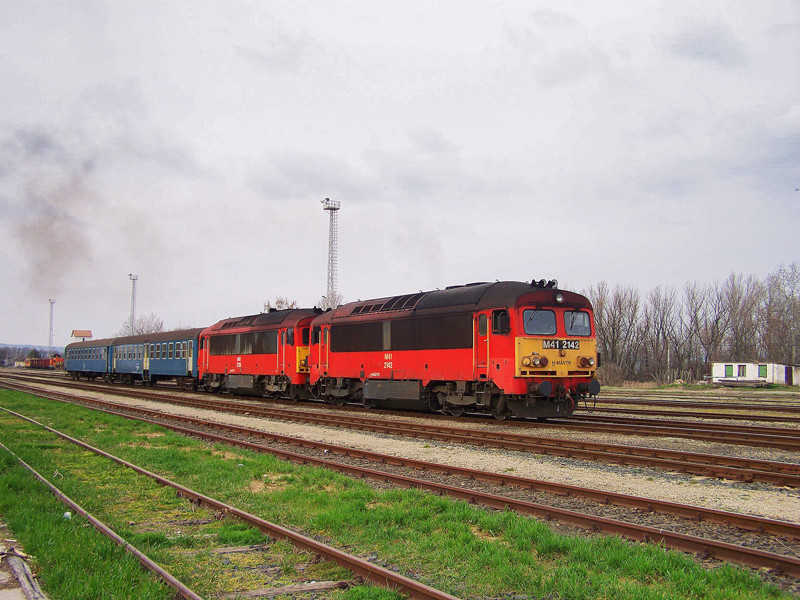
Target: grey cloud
{"x":713,"y":43}
{"x":310,"y":175}
{"x":280,"y":52}
{"x":571,"y":67}
{"x":432,"y":141}
{"x":553,"y":20}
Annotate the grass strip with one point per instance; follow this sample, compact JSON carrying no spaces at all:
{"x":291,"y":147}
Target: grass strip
{"x":463,"y":550}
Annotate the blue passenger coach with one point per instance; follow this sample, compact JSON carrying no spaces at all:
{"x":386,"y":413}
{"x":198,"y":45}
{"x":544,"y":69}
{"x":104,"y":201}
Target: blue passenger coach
{"x":88,"y":359}
{"x":155,"y":357}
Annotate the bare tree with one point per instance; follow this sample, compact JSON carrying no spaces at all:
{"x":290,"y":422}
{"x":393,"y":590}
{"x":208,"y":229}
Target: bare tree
{"x":146,"y":324}
{"x":659,"y":337}
{"x":743,"y":297}
{"x":616,"y":323}
{"x":708,"y":311}
{"x":279,"y":303}
{"x":325,"y":303}
{"x":780,"y":317}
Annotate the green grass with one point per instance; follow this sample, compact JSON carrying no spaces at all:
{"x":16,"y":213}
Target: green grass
{"x":461,"y":549}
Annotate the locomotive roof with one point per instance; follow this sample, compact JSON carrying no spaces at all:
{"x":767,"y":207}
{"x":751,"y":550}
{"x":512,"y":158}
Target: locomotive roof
{"x":473,"y":296}
{"x":273,"y":317}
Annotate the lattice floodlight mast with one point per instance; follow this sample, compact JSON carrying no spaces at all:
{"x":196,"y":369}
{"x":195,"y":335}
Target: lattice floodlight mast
{"x":52,"y":302}
{"x":332,"y":206}
{"x":133,"y":279}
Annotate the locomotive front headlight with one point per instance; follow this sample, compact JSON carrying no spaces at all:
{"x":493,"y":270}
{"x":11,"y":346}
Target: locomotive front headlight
{"x":526,"y":361}
{"x":591,"y":362}
{"x":559,"y":298}
{"x":536,"y":361}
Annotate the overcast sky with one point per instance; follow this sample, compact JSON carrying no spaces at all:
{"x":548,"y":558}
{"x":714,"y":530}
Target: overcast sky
{"x":641,"y":143}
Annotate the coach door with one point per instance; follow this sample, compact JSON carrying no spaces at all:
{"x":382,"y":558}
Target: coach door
{"x":189,"y":356}
{"x":481,"y":346}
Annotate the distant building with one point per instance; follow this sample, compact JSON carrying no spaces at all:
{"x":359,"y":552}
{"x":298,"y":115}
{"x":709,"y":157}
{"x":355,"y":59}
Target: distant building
{"x":754,"y":374}
{"x":81,"y":334}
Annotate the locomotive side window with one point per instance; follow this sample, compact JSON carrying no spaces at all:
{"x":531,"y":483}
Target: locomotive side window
{"x":576,"y":322}
{"x":304,"y":336}
{"x":537,"y":321}
{"x":387,"y":335}
{"x":245,"y":343}
{"x":290,"y":336}
{"x":500,"y":322}
{"x":315,"y":336}
{"x":482,"y":322}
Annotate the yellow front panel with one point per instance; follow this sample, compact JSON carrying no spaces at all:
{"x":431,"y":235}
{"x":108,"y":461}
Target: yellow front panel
{"x":560,"y":362}
{"x":302,"y":353}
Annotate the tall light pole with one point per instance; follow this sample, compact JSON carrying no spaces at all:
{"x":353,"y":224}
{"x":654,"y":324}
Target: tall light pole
{"x":133,"y":279}
{"x":332,"y":206}
{"x":52,"y":302}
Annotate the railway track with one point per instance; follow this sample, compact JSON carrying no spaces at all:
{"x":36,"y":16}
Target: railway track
{"x":367,"y":571}
{"x":708,"y":465}
{"x":782,"y":406}
{"x":743,"y":553}
{"x":602,"y":411}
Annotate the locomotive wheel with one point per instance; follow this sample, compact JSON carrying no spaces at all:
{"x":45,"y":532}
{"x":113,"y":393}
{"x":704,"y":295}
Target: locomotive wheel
{"x":500,"y":409}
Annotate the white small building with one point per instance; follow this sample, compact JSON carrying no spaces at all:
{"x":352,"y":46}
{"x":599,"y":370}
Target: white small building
{"x":754,"y":374}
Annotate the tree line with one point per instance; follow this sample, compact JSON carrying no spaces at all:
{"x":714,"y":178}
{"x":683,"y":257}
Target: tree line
{"x":672,"y":334}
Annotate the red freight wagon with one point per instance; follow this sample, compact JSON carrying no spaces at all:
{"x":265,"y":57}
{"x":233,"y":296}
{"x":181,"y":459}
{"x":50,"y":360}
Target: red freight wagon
{"x":506,"y":347}
{"x":266,"y":354}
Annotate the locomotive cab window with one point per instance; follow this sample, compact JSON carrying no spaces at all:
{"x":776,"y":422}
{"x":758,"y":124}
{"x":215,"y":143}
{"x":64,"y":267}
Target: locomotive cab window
{"x":536,"y":321}
{"x":501,"y":324}
{"x":576,"y":322}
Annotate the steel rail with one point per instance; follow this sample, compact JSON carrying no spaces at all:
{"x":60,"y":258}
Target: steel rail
{"x":712,"y":465}
{"x":746,"y":522}
{"x":703,"y":547}
{"x":694,"y":414}
{"x":779,"y":473}
{"x":180,"y":588}
{"x":368,"y":571}
{"x":760,"y":437}
{"x":775,"y":406}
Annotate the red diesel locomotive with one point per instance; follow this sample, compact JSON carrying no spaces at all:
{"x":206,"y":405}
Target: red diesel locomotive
{"x":508,"y":348}
{"x":265,"y":353}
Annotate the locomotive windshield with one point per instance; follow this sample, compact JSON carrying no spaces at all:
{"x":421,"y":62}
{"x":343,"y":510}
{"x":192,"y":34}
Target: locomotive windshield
{"x":576,"y":322}
{"x":539,"y":322}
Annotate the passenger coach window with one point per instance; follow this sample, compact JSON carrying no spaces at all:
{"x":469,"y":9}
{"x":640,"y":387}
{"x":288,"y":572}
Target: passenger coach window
{"x":536,"y":321}
{"x":577,"y":323}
